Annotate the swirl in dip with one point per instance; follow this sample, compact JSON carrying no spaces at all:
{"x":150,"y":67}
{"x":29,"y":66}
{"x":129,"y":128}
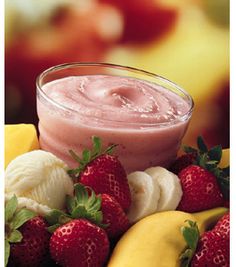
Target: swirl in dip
{"x":146,"y":120}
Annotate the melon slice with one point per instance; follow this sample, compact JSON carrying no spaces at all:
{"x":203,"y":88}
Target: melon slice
{"x":19,"y":139}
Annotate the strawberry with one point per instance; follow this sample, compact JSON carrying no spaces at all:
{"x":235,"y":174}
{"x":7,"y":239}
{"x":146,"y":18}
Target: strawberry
{"x":104,"y":173}
{"x":114,"y":217}
{"x":212,"y":250}
{"x":27,"y":238}
{"x":191,"y":156}
{"x":102,"y":210}
{"x":78,"y":238}
{"x":182,"y":162}
{"x":79,"y":243}
{"x":200,"y":190}
{"x":223,"y":225}
{"x":32,"y":250}
{"x":207,"y":159}
{"x":201,"y":156}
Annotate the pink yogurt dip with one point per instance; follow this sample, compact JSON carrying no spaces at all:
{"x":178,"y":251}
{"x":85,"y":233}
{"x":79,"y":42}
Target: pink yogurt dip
{"x":146,"y":120}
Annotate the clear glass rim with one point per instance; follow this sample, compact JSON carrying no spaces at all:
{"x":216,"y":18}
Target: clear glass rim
{"x":180,"y":118}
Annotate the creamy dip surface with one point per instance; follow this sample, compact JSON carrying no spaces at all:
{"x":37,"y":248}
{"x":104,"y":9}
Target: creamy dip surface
{"x":115,"y":98}
{"x":145,"y":120}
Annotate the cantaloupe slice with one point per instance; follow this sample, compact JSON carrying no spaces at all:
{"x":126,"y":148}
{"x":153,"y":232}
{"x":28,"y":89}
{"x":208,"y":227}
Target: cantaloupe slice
{"x":19,"y":139}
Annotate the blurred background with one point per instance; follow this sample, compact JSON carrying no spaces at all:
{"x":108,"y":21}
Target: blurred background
{"x":186,"y":41}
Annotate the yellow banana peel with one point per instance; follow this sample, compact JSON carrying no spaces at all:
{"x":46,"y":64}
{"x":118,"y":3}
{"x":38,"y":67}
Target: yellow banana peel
{"x":157,"y":240}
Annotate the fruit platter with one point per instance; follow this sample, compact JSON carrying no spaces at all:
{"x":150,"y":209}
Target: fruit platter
{"x":100,"y":207}
{"x":143,"y":220}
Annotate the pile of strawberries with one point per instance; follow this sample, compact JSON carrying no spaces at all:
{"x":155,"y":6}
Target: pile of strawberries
{"x":205,"y":185}
{"x":95,"y":218}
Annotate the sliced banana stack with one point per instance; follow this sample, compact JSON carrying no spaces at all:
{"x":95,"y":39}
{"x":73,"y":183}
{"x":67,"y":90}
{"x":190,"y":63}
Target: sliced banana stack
{"x":145,"y":193}
{"x":155,"y":189}
{"x":170,"y":188}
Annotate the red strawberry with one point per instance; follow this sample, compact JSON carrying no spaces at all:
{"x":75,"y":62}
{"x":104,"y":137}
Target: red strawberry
{"x":26,"y":236}
{"x":114,"y":217}
{"x":208,"y":159}
{"x":102,"y":210}
{"x":103,"y":173}
{"x":182,"y":162}
{"x":200,"y":190}
{"x":223,"y":225}
{"x":33,"y":248}
{"x":212,"y":250}
{"x":79,"y":243}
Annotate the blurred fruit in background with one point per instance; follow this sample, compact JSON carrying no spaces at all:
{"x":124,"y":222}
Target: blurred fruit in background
{"x":194,"y":53}
{"x":60,"y":31}
{"x":185,"y":41}
{"x":144,"y":20}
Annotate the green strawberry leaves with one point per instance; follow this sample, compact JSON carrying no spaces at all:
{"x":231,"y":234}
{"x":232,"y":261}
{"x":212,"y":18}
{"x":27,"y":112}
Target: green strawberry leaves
{"x":209,"y":159}
{"x":97,"y":145}
{"x":85,"y":204}
{"x":215,"y":153}
{"x":201,"y":145}
{"x":15,"y":236}
{"x":205,"y":155}
{"x":10,"y":208}
{"x":71,"y":203}
{"x":89,"y":155}
{"x":191,"y":236}
{"x":13,"y":220}
{"x":222,"y":175}
{"x":21,"y":217}
{"x":56,"y":218}
{"x":7,"y":251}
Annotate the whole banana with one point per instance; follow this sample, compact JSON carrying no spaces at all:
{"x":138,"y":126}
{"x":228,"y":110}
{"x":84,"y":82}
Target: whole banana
{"x":156,"y":241}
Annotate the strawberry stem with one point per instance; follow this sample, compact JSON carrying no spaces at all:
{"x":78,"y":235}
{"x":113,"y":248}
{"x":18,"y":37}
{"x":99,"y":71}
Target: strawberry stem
{"x":191,"y":235}
{"x":89,"y":155}
{"x":7,"y":251}
{"x":14,"y":219}
{"x":201,"y":144}
{"x":85,"y":204}
{"x":209,"y":159}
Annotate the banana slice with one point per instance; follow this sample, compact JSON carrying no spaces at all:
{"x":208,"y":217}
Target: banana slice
{"x":145,"y":193}
{"x":170,"y":187}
